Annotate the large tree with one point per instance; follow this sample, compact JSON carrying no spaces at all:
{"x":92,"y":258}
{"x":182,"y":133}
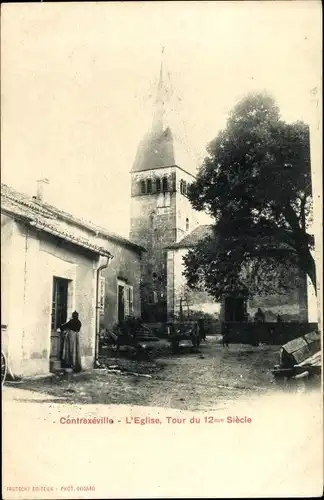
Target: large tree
{"x":256,"y":184}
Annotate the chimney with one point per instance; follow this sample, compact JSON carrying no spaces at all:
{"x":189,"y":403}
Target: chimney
{"x":41,"y":183}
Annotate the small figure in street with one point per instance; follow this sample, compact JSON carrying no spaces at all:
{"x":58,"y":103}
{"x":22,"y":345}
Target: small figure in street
{"x":259,"y":316}
{"x":70,"y":354}
{"x":202,"y":331}
{"x":279,"y":329}
{"x":195,"y":339}
{"x":225,"y":334}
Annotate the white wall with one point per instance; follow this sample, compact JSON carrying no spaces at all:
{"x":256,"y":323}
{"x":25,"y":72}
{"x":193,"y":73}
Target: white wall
{"x":35,"y":259}
{"x":6,"y":251}
{"x":184,"y":208}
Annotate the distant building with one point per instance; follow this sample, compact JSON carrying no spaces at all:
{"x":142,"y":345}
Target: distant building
{"x":191,"y":301}
{"x":51,"y":264}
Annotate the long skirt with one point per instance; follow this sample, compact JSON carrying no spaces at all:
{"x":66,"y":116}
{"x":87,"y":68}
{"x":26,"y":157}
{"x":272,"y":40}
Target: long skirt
{"x":71,"y":356}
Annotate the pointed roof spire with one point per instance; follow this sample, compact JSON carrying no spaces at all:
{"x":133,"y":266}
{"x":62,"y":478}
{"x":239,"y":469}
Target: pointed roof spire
{"x":160,"y":85}
{"x":159,"y":112}
{"x":161,"y":146}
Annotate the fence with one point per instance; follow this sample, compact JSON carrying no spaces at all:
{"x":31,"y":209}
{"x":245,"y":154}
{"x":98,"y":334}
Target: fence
{"x":161,"y":329}
{"x":267,"y":333}
{"x":246,"y":333}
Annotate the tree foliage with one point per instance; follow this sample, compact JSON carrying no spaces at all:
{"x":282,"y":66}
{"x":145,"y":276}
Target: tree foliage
{"x":256,"y":183}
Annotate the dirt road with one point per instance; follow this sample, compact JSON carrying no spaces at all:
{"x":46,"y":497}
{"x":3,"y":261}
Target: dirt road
{"x":190,"y":381}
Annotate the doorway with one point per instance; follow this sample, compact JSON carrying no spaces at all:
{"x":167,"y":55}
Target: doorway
{"x":235,"y":309}
{"x":121,"y":303}
{"x":59,"y":316}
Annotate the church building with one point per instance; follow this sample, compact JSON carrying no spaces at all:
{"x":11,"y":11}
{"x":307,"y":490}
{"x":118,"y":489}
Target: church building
{"x":165,"y":224}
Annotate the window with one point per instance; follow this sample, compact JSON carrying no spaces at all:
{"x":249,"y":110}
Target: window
{"x":183,"y":187}
{"x":125,"y":300}
{"x":143,"y":187}
{"x":187,"y":224}
{"x":165,"y":184}
{"x":128,"y":300}
{"x":158,"y":185}
{"x":149,"y":186}
{"x":59,"y":302}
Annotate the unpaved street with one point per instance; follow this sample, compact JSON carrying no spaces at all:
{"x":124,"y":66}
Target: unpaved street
{"x":190,"y":381}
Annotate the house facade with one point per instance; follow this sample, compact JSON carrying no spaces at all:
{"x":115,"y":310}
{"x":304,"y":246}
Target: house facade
{"x":52,"y":264}
{"x":121,"y":281}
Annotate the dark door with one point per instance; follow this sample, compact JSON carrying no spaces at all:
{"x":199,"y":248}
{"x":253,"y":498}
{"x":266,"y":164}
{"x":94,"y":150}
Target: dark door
{"x":121,"y":304}
{"x":59,"y":314}
{"x":234,"y":309}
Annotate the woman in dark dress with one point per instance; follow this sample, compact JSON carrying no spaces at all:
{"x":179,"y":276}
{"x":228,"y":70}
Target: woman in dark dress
{"x":71,"y":357}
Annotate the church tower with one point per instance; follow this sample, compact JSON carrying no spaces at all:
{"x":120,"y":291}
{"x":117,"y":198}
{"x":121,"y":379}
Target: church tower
{"x":161,"y":213}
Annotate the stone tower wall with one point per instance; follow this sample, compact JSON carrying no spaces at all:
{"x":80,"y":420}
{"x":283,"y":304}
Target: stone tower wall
{"x":158,"y":218}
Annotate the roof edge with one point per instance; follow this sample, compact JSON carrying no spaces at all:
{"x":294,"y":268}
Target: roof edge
{"x":33,"y":222}
{"x":67,"y":217}
{"x":159,"y":168}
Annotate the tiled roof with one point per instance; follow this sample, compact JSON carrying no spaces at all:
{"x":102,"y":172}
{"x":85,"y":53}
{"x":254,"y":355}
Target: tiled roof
{"x":163,"y":149}
{"x":194,"y":237}
{"x":201,"y":232}
{"x":49,"y":218}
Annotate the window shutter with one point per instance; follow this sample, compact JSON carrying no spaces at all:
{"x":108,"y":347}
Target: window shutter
{"x":126,"y":301}
{"x":102,"y":283}
{"x":131,"y":304}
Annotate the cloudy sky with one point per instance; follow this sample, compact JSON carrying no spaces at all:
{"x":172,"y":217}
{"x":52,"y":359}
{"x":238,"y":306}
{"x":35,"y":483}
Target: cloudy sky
{"x":78,"y":83}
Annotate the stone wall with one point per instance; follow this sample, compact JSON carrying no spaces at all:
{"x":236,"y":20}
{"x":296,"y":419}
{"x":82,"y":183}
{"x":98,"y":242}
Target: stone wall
{"x":157,"y":220}
{"x":153,"y":226}
{"x":292,"y":306}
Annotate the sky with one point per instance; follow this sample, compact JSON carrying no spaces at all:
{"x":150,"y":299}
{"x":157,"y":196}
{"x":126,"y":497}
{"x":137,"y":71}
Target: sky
{"x":79,"y":80}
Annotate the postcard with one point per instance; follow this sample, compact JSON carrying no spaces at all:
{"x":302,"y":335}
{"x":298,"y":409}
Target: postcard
{"x":161,"y":264}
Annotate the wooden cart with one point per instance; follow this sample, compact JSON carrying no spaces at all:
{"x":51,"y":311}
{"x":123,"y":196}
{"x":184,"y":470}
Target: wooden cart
{"x":299,"y":359}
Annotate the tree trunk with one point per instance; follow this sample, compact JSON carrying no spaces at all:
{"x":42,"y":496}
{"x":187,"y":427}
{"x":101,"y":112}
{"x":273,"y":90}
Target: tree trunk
{"x":307,"y":262}
{"x":308,"y":265}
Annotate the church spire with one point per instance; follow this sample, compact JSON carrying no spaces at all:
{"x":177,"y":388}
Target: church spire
{"x":159,"y":111}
